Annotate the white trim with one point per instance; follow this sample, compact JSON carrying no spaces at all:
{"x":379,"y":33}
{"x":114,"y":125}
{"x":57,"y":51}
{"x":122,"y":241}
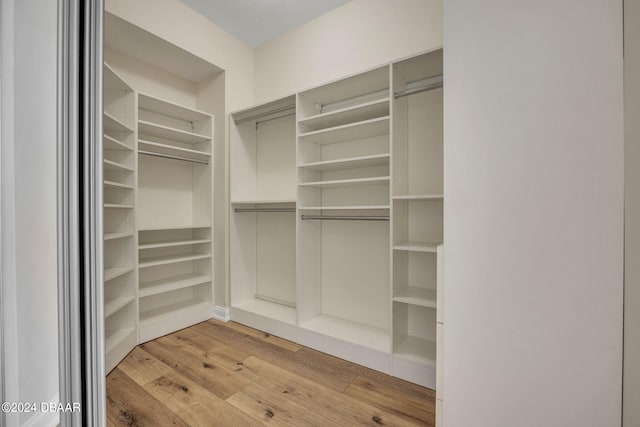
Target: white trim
{"x":221,"y":313}
{"x":44,"y":419}
{"x":8,"y":289}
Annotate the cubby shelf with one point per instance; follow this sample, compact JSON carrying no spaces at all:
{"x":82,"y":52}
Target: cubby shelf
{"x":417,"y":296}
{"x":417,"y":349}
{"x":349,"y":163}
{"x":116,"y":337}
{"x":113,"y":272}
{"x":420,"y":197}
{"x":415,"y":246}
{"x":112,"y":124}
{"x":356,"y":113}
{"x":171,"y":150}
{"x":169,"y":133}
{"x":172,"y":284}
{"x":347,"y":330}
{"x":173,"y":259}
{"x":346,"y":182}
{"x":110,"y":307}
{"x":111,"y":165}
{"x":348,"y":132}
{"x":114,"y":184}
{"x":112,"y":144}
{"x":174,"y":243}
{"x":113,"y":236}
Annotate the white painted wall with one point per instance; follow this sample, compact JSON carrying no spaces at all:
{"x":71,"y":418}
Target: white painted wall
{"x":29,"y":198}
{"x":182,"y":26}
{"x":533,"y":213}
{"x":347,"y":40}
{"x":631,"y":382}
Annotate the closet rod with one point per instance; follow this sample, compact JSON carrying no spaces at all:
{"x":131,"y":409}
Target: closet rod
{"x":265,"y":114}
{"x":264,"y":209}
{"x":413,"y":91}
{"x":345,"y":218}
{"x":168,"y":156}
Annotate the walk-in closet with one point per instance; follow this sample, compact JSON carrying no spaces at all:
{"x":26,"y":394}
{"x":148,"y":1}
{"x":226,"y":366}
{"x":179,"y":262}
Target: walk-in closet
{"x":310,"y":222}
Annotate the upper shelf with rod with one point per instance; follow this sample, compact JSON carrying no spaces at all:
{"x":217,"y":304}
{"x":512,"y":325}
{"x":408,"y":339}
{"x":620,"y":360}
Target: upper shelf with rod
{"x":165,"y":120}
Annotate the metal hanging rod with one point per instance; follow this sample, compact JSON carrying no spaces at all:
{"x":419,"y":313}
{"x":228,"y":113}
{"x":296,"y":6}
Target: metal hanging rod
{"x":413,"y":91}
{"x":168,"y":156}
{"x":264,"y":209}
{"x":266,"y":114}
{"x":345,"y":218}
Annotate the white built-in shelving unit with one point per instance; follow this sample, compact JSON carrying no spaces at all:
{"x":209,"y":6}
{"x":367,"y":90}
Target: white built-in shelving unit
{"x":336,"y":217}
{"x":158,"y":170}
{"x":417,"y":211}
{"x":119,"y":142}
{"x":175,"y":216}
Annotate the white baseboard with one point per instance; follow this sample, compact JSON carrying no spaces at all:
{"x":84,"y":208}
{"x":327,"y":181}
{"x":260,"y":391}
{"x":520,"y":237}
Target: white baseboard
{"x":221,"y":313}
{"x":44,"y":419}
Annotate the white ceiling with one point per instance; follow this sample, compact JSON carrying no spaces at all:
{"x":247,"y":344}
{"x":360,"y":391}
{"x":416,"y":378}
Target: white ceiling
{"x":257,"y":21}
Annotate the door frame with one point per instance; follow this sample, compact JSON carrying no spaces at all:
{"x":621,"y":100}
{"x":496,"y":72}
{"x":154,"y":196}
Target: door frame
{"x":80,"y":205}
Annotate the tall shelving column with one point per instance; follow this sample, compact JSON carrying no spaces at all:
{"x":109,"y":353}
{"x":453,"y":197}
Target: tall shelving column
{"x":343,"y":202}
{"x":262,"y":217}
{"x":417,"y":215}
{"x":175,"y":187}
{"x":119,"y":142}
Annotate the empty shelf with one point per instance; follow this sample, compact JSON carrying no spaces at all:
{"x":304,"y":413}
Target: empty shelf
{"x":113,"y":272}
{"x":116,"y":337}
{"x":111,"y":165}
{"x":171,"y":150}
{"x":420,"y":197}
{"x":172,"y":284}
{"x":163,"y":260}
{"x":169,"y":133}
{"x":171,"y":243}
{"x":417,"y":349}
{"x":349,"y":163}
{"x":347,"y":330}
{"x":171,"y":310}
{"x":263,"y":202}
{"x":364,"y":129}
{"x":112,"y":124}
{"x":268,"y":309}
{"x":172,"y":227}
{"x":114,"y":184}
{"x":113,"y":236}
{"x":170,"y":109}
{"x":114,"y":305}
{"x":416,"y":246}
{"x":117,"y":206}
{"x":112,"y":144}
{"x":346,"y":182}
{"x":342,"y":208}
{"x":417,"y":296}
{"x":356,"y":113}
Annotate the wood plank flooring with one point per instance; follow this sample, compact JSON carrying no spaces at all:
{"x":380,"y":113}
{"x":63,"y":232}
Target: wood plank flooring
{"x":226,"y":374}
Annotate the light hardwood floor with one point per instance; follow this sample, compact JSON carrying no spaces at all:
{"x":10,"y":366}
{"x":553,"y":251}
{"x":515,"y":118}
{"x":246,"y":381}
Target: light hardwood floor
{"x":226,"y":374}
